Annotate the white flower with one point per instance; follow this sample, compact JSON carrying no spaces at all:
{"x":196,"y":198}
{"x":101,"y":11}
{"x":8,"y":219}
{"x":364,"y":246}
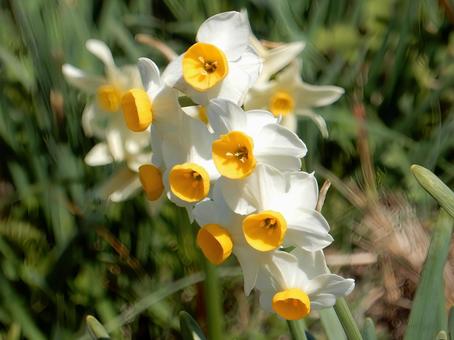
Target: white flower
{"x":220,"y":234}
{"x":288,"y":95}
{"x":298,"y":283}
{"x":246,"y":139}
{"x":103,"y":119}
{"x":276,"y":58}
{"x":280,"y":208}
{"x":221,"y":64}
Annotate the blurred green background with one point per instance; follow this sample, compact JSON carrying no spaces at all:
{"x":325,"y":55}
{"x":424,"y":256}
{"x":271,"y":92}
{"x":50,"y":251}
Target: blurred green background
{"x":64,"y":254}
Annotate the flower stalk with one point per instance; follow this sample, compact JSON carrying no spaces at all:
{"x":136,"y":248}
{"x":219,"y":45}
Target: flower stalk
{"x":346,"y":318}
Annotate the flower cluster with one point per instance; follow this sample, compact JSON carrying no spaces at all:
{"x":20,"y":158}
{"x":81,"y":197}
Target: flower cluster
{"x":237,"y":172}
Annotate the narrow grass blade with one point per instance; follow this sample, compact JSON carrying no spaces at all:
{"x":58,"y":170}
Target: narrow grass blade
{"x":189,"y":328}
{"x":332,"y":325}
{"x":369,"y":332}
{"x":428,"y":315}
{"x":96,"y":329}
{"x":435,"y":187}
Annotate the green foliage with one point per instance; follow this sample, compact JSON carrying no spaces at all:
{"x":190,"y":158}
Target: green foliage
{"x":65,"y":254}
{"x":430,"y":295}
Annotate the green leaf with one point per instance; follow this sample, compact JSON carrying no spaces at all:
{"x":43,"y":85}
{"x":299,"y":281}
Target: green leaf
{"x":435,"y":187}
{"x":428,"y":314}
{"x":369,"y":332}
{"x":189,"y":328}
{"x":96,"y":329}
{"x":332,"y":325}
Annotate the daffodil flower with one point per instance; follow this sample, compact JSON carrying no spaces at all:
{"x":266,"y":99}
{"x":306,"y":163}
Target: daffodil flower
{"x":280,"y":209}
{"x":298,"y":283}
{"x":247,"y":139}
{"x":288,"y":95}
{"x":220,"y":235}
{"x":103,"y":119}
{"x":276,"y":58}
{"x":221,"y":64}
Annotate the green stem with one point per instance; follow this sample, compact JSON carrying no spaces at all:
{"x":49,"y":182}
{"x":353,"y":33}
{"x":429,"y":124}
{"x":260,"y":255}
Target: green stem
{"x":297,"y":328}
{"x":213,"y":302}
{"x":346,"y":318}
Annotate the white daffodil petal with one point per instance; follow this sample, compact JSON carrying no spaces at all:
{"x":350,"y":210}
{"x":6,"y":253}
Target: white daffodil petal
{"x":126,"y":191}
{"x":302,"y":189}
{"x":329,"y":284}
{"x":120,"y":186}
{"x":311,"y":262}
{"x":277,"y":140}
{"x":316,"y":118}
{"x":173,"y":74}
{"x":225,"y":116}
{"x":228,"y":31}
{"x":149,"y":73}
{"x":249,"y":267}
{"x":94,"y":121}
{"x":308,"y":230}
{"x":82,"y":80}
{"x":284,"y":269}
{"x":279,"y":57}
{"x":102,"y":51}
{"x":98,"y":155}
{"x":322,"y":300}
{"x":115,"y":142}
{"x":290,"y":122}
{"x":315,"y":96}
{"x":257,"y":119}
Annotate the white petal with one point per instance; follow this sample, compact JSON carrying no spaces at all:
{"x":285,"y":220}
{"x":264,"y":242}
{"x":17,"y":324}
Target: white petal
{"x":82,"y":80}
{"x":276,"y":140}
{"x":249,"y":266}
{"x":308,"y":230}
{"x":149,"y":73}
{"x":165,"y":106}
{"x":313,"y":263}
{"x":98,"y":155}
{"x":257,"y":119}
{"x":173,"y":73}
{"x":284,"y":269}
{"x":308,"y":96}
{"x":102,"y":51}
{"x":302,"y":189}
{"x":316,"y":118}
{"x":322,"y":300}
{"x":277,"y":58}
{"x":120,"y":186}
{"x":225,"y":116}
{"x":95,"y":121}
{"x":115,"y":142}
{"x":290,"y":122}
{"x":256,"y":192}
{"x":228,"y":31}
{"x":154,"y":207}
{"x":320,"y":287}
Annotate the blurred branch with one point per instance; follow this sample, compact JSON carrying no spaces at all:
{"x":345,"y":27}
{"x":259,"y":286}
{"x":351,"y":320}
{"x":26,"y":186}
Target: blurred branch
{"x":157,"y":44}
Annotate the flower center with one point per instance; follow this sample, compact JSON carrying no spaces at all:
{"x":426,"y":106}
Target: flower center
{"x":109,"y":97}
{"x":264,"y":231}
{"x":137,"y":111}
{"x":281,"y":103}
{"x":233,"y":155}
{"x":291,"y":304}
{"x":189,"y":182}
{"x":204,"y":66}
{"x":151,"y":179}
{"x":215,"y":243}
